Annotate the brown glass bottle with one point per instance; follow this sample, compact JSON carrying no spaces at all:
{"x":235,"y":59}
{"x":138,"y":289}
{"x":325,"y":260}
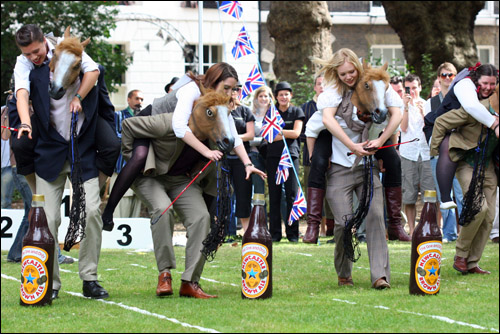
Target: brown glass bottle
{"x":37,"y":262}
{"x":257,"y":254}
{"x":426,"y":248}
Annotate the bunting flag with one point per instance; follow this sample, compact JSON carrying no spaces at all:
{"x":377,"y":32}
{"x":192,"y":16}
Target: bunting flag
{"x":232,"y":8}
{"x":285,"y":163}
{"x":272,"y":124}
{"x":253,"y":82}
{"x":299,"y":207}
{"x":243,"y":45}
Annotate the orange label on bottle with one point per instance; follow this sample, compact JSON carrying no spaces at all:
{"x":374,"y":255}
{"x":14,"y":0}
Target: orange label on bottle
{"x":254,"y":270}
{"x":428,"y":266}
{"x":34,"y":275}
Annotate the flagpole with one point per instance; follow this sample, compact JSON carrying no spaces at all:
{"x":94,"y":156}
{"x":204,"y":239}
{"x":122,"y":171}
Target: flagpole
{"x":200,"y":36}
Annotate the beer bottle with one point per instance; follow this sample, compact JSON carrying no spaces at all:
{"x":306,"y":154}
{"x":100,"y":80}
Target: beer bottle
{"x":37,"y":258}
{"x":257,"y":254}
{"x":426,"y":247}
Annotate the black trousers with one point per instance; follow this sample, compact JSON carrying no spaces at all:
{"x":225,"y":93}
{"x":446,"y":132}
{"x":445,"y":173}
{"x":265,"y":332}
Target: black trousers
{"x":321,"y":157}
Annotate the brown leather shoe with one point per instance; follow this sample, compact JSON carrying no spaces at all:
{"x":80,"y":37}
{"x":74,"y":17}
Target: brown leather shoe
{"x":460,"y":264}
{"x":193,"y":289}
{"x":346,"y":281}
{"x":330,"y":225}
{"x":381,"y":284}
{"x":477,"y":270}
{"x":395,"y":230}
{"x":164,"y":287}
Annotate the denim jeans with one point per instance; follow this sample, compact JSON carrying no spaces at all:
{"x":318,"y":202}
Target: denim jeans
{"x":21,"y":184}
{"x":7,"y":187}
{"x":259,"y":185}
{"x":449,"y":217}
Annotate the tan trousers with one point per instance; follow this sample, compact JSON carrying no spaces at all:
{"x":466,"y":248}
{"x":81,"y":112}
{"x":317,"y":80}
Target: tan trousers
{"x":473,"y":237}
{"x":342,"y":183}
{"x":157,"y":193}
{"x":90,"y":246}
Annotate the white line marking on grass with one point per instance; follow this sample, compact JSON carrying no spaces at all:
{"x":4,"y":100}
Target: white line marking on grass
{"x":305,"y":254}
{"x":138,"y":265}
{"x":214,"y":281}
{"x":437,"y":317}
{"x":132,"y":308}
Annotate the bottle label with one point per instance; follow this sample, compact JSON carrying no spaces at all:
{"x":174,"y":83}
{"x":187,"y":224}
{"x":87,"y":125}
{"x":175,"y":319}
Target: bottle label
{"x":254,"y":270}
{"x":34,"y":275}
{"x":428,"y":266}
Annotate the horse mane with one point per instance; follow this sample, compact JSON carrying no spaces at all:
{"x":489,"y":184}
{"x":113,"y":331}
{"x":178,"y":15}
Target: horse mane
{"x":213,"y":98}
{"x":70,"y":44}
{"x":373,"y":73}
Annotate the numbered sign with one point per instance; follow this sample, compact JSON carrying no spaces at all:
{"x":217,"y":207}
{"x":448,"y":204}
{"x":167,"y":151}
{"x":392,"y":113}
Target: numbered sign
{"x":128,"y":233}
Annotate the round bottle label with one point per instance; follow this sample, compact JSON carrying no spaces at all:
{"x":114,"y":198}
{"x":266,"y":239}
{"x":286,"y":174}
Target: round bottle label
{"x":34,"y":276}
{"x":428,"y":266}
{"x":254,"y":270}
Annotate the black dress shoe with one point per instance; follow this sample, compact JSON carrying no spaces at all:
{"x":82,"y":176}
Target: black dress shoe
{"x":93,"y":290}
{"x":107,"y":225}
{"x":55,"y":294}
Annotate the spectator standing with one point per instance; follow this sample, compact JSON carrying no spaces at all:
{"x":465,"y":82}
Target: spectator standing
{"x":415,"y":157}
{"x":244,"y":121}
{"x":445,"y":74}
{"x":293,"y":117}
{"x":168,"y":87}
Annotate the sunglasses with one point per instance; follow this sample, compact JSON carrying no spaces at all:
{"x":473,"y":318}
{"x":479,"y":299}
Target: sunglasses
{"x":449,"y":75}
{"x":236,"y":89}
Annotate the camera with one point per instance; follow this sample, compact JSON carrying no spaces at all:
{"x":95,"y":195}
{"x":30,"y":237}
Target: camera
{"x":407,"y":90}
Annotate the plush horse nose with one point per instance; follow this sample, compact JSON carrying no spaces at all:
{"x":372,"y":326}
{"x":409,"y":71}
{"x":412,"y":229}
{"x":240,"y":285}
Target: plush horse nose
{"x":226,"y":144}
{"x":55,"y":92}
{"x":379,"y":116}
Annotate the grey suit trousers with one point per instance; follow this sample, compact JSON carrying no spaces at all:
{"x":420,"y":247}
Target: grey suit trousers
{"x":342,"y":183}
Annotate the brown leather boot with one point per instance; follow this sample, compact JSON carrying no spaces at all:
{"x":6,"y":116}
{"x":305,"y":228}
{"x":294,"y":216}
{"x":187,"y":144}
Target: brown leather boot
{"x":164,"y":287}
{"x":193,"y":289}
{"x":330,"y":225}
{"x":315,"y":198}
{"x":393,"y":199}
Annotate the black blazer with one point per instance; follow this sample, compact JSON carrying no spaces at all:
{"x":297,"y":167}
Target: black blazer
{"x":51,"y":149}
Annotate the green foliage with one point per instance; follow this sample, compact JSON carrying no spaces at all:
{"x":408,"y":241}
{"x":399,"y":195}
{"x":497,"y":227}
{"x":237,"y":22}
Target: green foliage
{"x":94,"y":19}
{"x":303,"y":88}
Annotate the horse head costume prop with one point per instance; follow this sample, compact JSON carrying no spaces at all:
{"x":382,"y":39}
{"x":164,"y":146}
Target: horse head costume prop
{"x":66,"y":64}
{"x":210,"y":119}
{"x":369,"y":94}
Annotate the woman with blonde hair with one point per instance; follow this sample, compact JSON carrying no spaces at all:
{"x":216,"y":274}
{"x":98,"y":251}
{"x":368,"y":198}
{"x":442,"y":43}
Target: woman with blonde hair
{"x":342,"y":72}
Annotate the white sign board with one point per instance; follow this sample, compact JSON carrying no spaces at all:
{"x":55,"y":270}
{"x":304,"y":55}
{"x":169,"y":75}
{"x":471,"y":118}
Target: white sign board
{"x":128,"y":233}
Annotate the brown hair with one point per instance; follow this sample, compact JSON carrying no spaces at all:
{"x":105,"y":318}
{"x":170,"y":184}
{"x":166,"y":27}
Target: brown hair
{"x":28,"y":34}
{"x":215,"y":74}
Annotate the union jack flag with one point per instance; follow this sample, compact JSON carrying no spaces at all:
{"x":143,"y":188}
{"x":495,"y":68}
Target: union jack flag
{"x":253,"y":82}
{"x":285,"y":163}
{"x":243,"y":45}
{"x":272,"y":124}
{"x":299,"y":207}
{"x":232,"y":8}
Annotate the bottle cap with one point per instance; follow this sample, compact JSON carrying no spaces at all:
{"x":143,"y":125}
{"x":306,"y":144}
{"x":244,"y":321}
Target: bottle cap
{"x":430,"y":193}
{"x":38,"y":198}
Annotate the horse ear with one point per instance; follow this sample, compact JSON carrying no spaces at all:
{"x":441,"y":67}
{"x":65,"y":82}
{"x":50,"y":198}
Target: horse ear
{"x":86,"y":42}
{"x":203,"y":90}
{"x":66,"y":32}
{"x":366,"y":65}
{"x":386,"y":65}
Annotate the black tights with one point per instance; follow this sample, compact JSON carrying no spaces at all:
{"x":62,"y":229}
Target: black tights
{"x":445,"y":170}
{"x":127,"y":176}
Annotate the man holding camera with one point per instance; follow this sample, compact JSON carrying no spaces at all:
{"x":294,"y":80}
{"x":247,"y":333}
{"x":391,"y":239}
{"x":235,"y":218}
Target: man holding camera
{"x":415,"y":157}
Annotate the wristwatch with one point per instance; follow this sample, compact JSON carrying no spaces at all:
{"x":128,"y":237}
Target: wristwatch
{"x":79,"y":97}
{"x":248,"y":164}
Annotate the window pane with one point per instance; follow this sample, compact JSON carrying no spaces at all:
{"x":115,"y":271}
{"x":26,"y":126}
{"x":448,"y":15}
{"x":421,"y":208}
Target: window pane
{"x":376,"y":53}
{"x":484,"y":56}
{"x":206,"y":54}
{"x":215,"y":54}
{"x":387,"y":56}
{"x":400,"y":58}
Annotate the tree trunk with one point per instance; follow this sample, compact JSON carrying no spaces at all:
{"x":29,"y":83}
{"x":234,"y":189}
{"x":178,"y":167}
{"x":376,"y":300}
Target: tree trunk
{"x":443,"y":29}
{"x":300,"y":29}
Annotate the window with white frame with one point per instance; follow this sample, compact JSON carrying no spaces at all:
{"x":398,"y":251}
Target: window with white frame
{"x":485,"y":54}
{"x":212,"y":54}
{"x":376,"y":8}
{"x":392,"y":54}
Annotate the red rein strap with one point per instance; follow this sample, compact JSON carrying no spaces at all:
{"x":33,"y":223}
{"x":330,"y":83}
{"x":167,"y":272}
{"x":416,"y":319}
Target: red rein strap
{"x":11,"y":129}
{"x":154,"y":221}
{"x":379,"y":148}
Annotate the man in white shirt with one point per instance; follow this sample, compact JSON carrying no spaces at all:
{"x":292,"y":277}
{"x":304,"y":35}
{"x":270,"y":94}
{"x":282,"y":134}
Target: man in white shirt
{"x":415,"y":157}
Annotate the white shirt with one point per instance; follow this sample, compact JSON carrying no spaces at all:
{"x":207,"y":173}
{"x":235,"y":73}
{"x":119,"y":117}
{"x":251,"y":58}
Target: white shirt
{"x":24,"y":66}
{"x":330,"y":98}
{"x":186,"y":97}
{"x":412,"y":151}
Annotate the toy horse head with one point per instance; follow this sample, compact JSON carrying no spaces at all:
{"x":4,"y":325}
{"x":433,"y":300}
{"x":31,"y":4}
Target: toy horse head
{"x":210,"y":119}
{"x":65,"y":64}
{"x":370,"y":93}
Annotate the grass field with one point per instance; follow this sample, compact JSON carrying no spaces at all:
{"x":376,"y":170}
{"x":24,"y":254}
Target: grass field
{"x":306,"y":297}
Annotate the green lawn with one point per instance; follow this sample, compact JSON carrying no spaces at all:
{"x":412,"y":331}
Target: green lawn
{"x":306,"y":297}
